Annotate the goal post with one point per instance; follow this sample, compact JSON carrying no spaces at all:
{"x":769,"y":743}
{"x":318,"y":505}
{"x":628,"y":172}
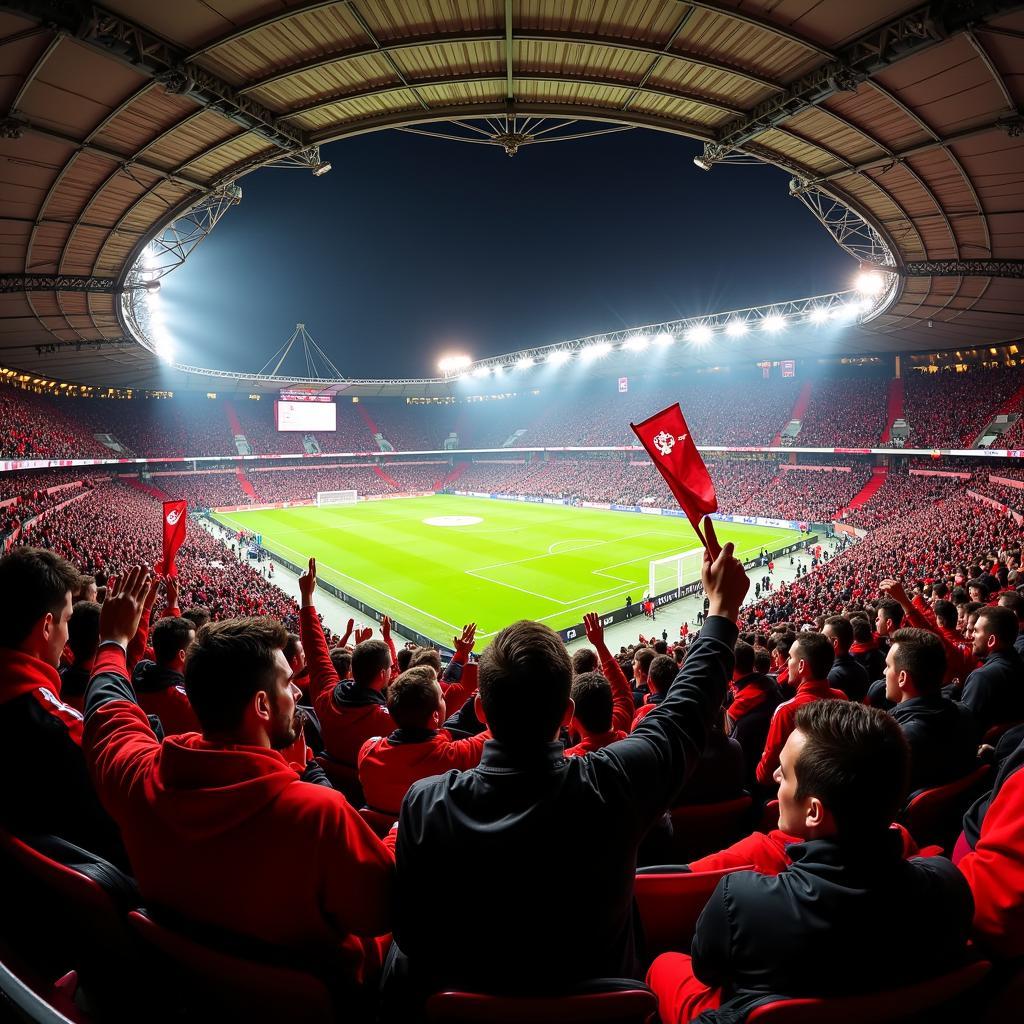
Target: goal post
{"x":336,"y":497}
{"x":673,"y":572}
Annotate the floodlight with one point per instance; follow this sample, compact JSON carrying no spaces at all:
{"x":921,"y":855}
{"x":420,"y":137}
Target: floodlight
{"x":636,"y":343}
{"x":703,"y":164}
{"x":736,"y":328}
{"x":663,"y":339}
{"x":699,"y":335}
{"x":819,"y":315}
{"x":525,"y":363}
{"x":321,"y":169}
{"x":481,"y":371}
{"x":773,"y":323}
{"x":559,"y":357}
{"x":869,"y":282}
{"x":453,"y":363}
{"x":596,"y":351}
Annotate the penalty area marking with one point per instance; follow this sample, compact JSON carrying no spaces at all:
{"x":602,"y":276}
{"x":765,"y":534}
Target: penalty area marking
{"x":453,"y":521}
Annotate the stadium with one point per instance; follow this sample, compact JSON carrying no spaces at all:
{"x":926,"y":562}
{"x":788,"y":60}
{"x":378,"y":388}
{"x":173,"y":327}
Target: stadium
{"x":303,"y":613}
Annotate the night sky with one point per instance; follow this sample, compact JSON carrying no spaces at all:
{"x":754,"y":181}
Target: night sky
{"x":411,"y":247}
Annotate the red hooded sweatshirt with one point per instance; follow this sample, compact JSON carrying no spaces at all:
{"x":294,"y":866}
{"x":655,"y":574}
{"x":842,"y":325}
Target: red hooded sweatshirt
{"x":214,"y":832}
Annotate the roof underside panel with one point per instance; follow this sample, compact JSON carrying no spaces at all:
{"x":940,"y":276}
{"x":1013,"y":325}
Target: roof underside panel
{"x":102,"y":154}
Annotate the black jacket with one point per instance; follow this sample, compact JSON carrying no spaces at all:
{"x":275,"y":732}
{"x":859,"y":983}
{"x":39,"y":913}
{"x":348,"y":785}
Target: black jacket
{"x":799,"y":932}
{"x":995,"y":690}
{"x":534,"y":835}
{"x":850,"y":676}
{"x":149,"y":677}
{"x":720,"y":773}
{"x":872,"y":661}
{"x":751,"y":729}
{"x":943,"y":739}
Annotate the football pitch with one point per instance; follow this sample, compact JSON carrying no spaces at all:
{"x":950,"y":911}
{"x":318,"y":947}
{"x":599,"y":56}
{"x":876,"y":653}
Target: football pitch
{"x":438,"y":562}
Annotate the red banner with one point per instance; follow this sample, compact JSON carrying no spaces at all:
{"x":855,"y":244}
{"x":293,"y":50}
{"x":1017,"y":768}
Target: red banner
{"x":175,"y":517}
{"x":668,"y":441}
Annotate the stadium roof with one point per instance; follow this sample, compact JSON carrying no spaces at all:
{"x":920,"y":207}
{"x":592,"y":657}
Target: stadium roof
{"x":122,"y":117}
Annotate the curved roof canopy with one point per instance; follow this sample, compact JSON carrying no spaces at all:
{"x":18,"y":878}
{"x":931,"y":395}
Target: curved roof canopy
{"x":115,"y":119}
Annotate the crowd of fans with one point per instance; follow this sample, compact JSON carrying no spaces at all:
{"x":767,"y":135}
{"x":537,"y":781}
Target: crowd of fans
{"x":274,"y":485}
{"x":844,"y":413}
{"x":947,"y":410}
{"x":35,"y":427}
{"x":900,"y":493}
{"x":210,"y":489}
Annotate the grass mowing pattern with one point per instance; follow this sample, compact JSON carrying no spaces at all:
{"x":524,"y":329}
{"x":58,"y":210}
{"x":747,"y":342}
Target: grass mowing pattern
{"x":519,"y":561}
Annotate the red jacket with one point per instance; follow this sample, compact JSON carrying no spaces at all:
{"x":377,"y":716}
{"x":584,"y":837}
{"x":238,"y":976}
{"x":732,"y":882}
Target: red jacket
{"x":785,"y":718}
{"x":214,"y":831}
{"x":389,"y":765}
{"x":589,"y":744}
{"x":994,"y":870}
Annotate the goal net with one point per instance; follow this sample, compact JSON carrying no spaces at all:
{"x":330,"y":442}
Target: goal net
{"x":336,"y":497}
{"x":673,"y":572}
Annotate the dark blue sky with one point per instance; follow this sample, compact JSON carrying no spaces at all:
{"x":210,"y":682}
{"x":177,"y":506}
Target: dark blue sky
{"x":411,"y":247}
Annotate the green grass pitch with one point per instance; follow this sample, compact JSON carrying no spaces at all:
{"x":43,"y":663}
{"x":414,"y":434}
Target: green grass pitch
{"x":510,"y":561}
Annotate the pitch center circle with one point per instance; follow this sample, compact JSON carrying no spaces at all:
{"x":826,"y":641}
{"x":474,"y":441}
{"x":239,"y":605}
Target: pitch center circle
{"x":453,"y":521}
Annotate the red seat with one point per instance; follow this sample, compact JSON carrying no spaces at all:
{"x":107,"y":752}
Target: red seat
{"x":935,"y":815}
{"x":769,"y":817}
{"x":876,"y":1007}
{"x":636,"y":1005}
{"x":670,"y":904}
{"x":343,"y":777}
{"x":377,"y":820}
{"x":700,"y":829}
{"x":207,"y":980}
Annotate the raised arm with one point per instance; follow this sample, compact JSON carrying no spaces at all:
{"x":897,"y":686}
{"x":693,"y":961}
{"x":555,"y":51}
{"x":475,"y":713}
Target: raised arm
{"x":622,"y":696}
{"x":322,"y":673}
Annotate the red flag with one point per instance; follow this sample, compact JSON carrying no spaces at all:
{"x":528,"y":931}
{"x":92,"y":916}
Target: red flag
{"x":670,"y":445}
{"x":174,"y":533}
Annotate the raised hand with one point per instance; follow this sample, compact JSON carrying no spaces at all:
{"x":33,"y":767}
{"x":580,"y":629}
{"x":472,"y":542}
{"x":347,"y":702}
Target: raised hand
{"x":385,"y":628}
{"x":595,"y":631}
{"x":122,"y":610}
{"x":348,"y":632}
{"x":464,"y":644}
{"x":363,"y":633}
{"x":307,"y":584}
{"x":895,"y":590}
{"x":725,"y":579}
{"x":171,"y":589}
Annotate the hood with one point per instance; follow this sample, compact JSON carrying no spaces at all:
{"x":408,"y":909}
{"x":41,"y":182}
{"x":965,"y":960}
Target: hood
{"x":348,"y":695}
{"x":206,"y":789}
{"x":149,"y":677}
{"x":20,"y":673}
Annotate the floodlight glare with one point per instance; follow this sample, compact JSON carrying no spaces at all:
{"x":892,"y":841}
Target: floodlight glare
{"x":636,"y":343}
{"x":700,"y":162}
{"x":819,"y":315}
{"x":525,"y":363}
{"x":559,"y":357}
{"x":596,"y":351}
{"x":481,"y":371}
{"x":454,"y":363}
{"x":773,"y":323}
{"x":699,"y":335}
{"x":869,"y":282}
{"x":736,"y":328}
{"x":663,"y":339}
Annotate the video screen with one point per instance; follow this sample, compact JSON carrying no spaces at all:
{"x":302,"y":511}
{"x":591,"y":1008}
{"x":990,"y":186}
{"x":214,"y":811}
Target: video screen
{"x":309,"y":417}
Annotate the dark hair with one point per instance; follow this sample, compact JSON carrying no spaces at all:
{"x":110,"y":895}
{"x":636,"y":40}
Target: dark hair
{"x":783,"y":644}
{"x":369,"y":659}
{"x":426,"y":656}
{"x":643,"y":656}
{"x":593,"y":696}
{"x":856,"y":761}
{"x":32,"y":582}
{"x":893,"y":610}
{"x":525,"y":676}
{"x":584,"y":660}
{"x":679,"y":654}
{"x":861,"y":630}
{"x":939,"y":589}
{"x":945,"y":614}
{"x":227,"y":664}
{"x":661,"y":647}
{"x":341,"y":659}
{"x":170,"y":635}
{"x":1014,"y":601}
{"x":762,"y":660}
{"x":744,"y":654}
{"x":402,"y":658}
{"x":921,"y":655}
{"x":1002,"y":622}
{"x":199,"y":614}
{"x":981,"y":583}
{"x":816,"y":649}
{"x":843,"y":630}
{"x":291,"y":648}
{"x":84,"y":630}
{"x":662,"y":672}
{"x":412,"y":697}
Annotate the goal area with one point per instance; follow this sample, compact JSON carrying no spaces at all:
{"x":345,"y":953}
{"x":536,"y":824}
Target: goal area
{"x":336,"y":497}
{"x":673,"y":572}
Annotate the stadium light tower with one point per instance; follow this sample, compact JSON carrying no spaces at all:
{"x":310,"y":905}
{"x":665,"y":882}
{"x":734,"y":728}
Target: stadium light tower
{"x":773,"y":323}
{"x":869,"y":282}
{"x":453,"y":364}
{"x":699,"y":335}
